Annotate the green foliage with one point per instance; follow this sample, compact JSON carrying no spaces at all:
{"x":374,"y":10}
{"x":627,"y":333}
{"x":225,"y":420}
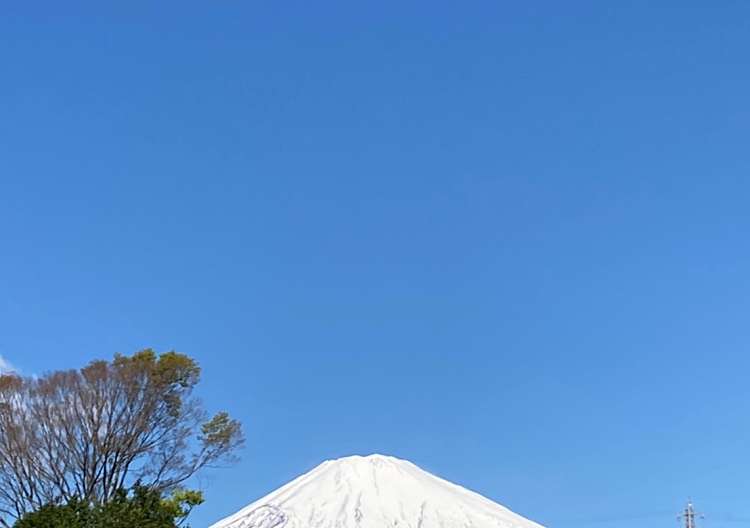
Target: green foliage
{"x":141,"y":508}
{"x":87,"y":434}
{"x":74,"y":514}
{"x":182,"y":502}
{"x":220,"y":432}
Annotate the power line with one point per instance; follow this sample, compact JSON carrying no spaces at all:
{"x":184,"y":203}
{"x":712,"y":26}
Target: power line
{"x":608,"y":519}
{"x":688,"y":515}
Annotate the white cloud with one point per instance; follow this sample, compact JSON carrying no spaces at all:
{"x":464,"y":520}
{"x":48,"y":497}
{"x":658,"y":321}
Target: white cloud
{"x":5,"y":366}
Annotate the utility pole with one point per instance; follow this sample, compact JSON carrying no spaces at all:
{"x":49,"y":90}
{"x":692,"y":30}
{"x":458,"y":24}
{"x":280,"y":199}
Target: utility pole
{"x":688,"y":515}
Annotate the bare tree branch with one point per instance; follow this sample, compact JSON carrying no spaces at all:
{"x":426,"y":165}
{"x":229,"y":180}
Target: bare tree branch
{"x":87,"y":434}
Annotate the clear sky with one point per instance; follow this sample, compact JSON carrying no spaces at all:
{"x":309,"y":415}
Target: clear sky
{"x":505,"y":240}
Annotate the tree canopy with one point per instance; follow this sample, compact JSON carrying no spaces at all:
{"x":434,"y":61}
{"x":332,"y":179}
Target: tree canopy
{"x":85,"y":435}
{"x":142,"y":508}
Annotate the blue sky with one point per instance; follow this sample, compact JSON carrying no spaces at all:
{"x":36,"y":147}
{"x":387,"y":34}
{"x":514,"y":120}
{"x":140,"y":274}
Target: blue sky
{"x":507,"y":241}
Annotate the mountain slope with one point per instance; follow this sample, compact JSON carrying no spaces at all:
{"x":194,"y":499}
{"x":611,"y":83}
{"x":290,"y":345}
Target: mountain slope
{"x":373,"y":492}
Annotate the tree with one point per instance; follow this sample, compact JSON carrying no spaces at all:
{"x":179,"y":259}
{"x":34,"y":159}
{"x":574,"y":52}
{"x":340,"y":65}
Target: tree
{"x":75,"y":514}
{"x":88,"y":434}
{"x":142,"y":508}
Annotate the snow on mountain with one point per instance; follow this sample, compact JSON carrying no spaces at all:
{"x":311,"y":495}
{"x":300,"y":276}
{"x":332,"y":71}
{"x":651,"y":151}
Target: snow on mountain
{"x":373,"y":492}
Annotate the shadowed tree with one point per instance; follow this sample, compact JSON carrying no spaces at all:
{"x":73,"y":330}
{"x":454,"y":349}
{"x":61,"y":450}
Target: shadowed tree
{"x":142,"y":508}
{"x":88,"y":434}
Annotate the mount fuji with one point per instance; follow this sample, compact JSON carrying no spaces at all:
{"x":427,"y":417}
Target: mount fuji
{"x":375,"y":491}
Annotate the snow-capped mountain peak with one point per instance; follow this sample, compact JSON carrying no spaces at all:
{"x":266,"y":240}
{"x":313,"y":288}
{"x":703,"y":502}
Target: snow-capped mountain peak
{"x":374,"y":491}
